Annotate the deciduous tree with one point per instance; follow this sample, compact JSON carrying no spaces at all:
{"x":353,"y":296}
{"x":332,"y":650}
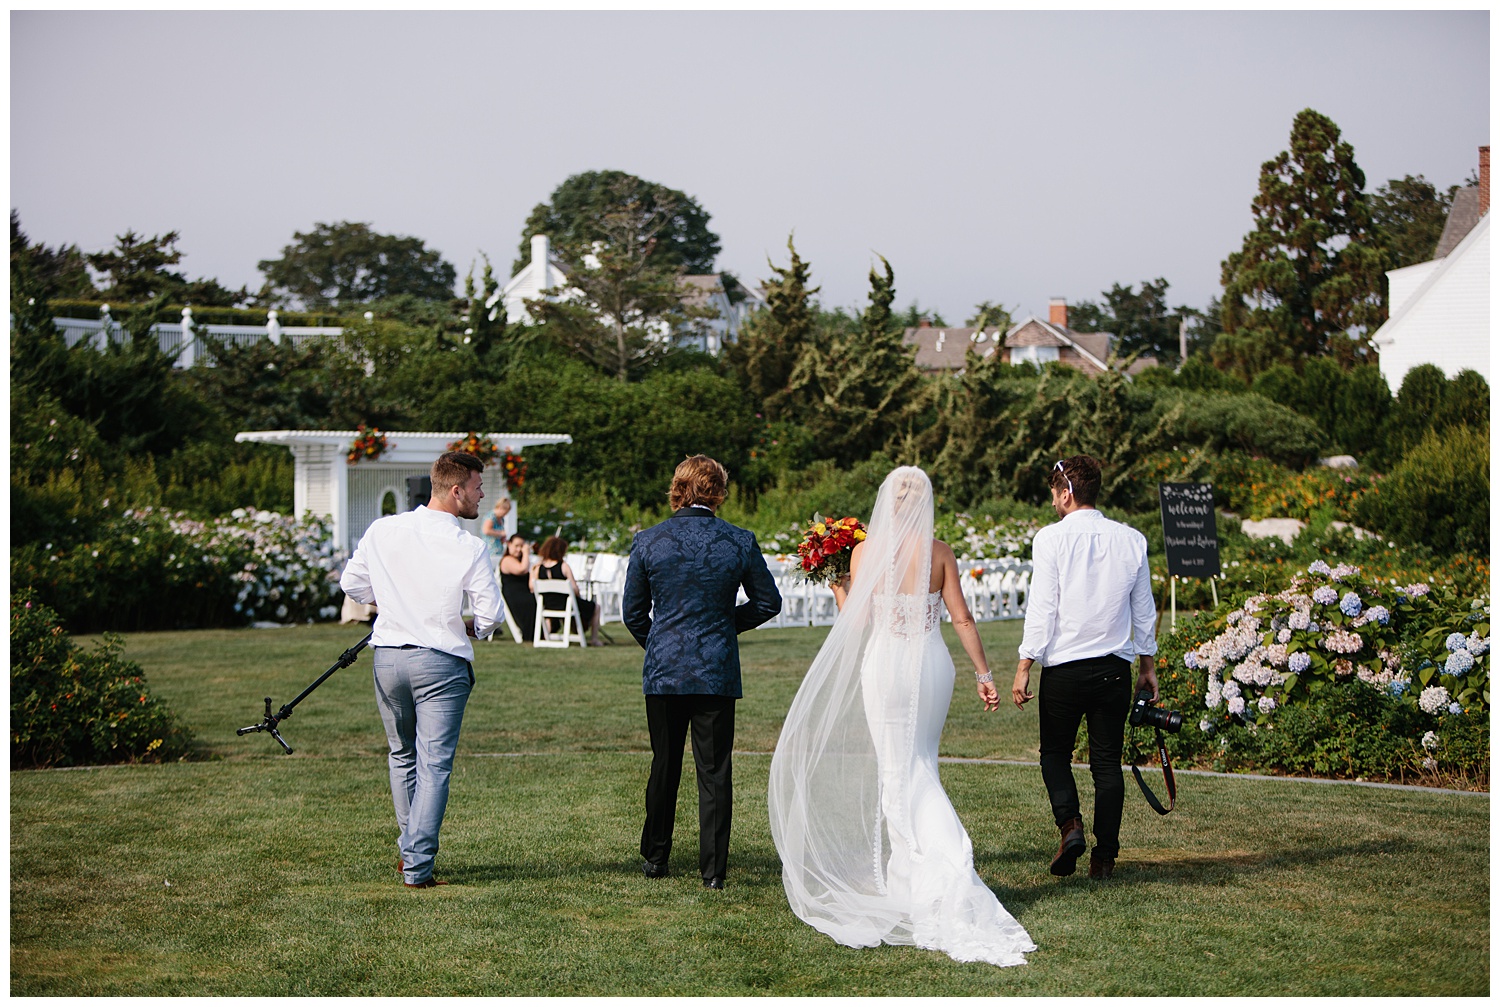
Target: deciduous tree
{"x":578,"y":208}
{"x":342,"y":264}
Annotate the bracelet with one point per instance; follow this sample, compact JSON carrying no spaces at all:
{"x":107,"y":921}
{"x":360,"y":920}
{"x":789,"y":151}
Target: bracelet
{"x":982,"y":679}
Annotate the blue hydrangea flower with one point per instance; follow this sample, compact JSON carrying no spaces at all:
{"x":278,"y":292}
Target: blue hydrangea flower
{"x":1298,"y":663}
{"x":1459,"y":662}
{"x":1456,"y":642}
{"x":1380,"y":614}
{"x":1455,"y":708}
{"x":1396,"y":687}
{"x":1318,"y":566}
{"x":1190,"y":660}
{"x":1325,"y":595}
{"x":1350,"y":604}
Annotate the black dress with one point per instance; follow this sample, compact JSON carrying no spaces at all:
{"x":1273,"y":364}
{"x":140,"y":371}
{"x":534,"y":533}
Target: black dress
{"x":585,"y":607}
{"x":516,"y":589}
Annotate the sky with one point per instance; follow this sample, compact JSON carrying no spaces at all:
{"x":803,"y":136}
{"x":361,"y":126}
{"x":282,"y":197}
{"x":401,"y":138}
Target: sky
{"x":1002,"y":156}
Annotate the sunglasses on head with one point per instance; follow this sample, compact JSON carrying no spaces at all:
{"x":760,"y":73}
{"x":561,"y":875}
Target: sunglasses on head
{"x":1059,"y":467}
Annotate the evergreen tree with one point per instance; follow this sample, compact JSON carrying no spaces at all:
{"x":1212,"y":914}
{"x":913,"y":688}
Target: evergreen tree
{"x":987,"y":315}
{"x":1409,"y":214}
{"x":772,"y":339}
{"x":861,"y":390}
{"x":54,"y":272}
{"x":486,"y":323}
{"x":135,"y":271}
{"x":1307,"y":281}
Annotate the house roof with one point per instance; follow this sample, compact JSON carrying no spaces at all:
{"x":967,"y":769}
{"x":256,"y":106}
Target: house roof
{"x":1386,"y":334}
{"x":1462,"y":216}
{"x":943,"y":349}
{"x":697,"y":291}
{"x":1092,"y":346}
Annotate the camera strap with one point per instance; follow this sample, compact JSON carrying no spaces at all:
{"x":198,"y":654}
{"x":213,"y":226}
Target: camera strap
{"x":1166,"y":769}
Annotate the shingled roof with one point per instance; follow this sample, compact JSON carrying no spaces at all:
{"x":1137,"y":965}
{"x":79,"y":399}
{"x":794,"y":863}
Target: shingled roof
{"x":1462,"y":216}
{"x":943,"y":349}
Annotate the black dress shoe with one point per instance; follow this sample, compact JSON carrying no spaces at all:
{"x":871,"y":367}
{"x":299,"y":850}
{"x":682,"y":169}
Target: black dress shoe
{"x":654,"y":871}
{"x":717,"y":884}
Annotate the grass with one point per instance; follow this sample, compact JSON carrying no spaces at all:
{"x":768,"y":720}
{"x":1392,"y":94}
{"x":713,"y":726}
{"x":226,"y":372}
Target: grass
{"x":252,"y":873}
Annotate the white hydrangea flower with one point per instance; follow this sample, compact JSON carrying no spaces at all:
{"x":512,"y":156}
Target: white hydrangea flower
{"x":1433,"y":699}
{"x":1265,"y":704}
{"x":1231,"y":690}
{"x":1430,"y":741}
{"x":1205,"y":725}
{"x":1236,"y":705}
{"x":1477,"y":644}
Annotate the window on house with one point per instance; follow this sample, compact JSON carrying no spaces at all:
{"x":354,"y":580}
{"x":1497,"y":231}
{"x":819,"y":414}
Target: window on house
{"x":1038,"y":355}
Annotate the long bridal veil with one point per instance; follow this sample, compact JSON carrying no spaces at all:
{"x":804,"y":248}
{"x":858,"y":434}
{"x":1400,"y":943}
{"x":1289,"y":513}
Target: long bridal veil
{"x":829,"y":820}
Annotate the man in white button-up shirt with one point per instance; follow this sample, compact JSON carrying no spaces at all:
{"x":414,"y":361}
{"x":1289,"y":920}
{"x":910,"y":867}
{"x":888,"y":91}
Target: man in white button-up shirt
{"x":416,"y":568}
{"x":1089,"y":615}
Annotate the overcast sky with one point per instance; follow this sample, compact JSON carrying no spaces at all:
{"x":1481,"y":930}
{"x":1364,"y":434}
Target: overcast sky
{"x":1011,"y":157}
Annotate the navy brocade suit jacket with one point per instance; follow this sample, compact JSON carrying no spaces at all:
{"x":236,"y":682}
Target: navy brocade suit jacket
{"x":689,"y":569}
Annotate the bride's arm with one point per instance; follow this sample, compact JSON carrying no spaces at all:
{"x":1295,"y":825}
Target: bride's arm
{"x":963,"y":625}
{"x":840,"y":589}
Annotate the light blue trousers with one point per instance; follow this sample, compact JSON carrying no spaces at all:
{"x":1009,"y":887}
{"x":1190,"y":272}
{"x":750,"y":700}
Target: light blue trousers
{"x":421,"y":694}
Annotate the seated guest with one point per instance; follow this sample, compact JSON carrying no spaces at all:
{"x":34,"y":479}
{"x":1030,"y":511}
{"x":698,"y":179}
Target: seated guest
{"x":552,"y":567}
{"x":515,"y":585}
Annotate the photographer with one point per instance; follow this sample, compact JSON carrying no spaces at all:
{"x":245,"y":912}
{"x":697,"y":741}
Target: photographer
{"x":1089,"y":613}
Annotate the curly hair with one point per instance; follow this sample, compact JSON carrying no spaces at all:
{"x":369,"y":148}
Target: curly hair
{"x":698,"y":480}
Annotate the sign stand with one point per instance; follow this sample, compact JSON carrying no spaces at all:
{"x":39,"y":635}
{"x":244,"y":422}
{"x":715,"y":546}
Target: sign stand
{"x":1190,"y":536}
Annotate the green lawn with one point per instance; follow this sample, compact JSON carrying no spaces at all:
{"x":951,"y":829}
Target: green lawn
{"x":254,"y":873}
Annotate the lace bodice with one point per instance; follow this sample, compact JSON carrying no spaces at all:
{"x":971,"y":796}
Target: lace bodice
{"x":906,"y":616}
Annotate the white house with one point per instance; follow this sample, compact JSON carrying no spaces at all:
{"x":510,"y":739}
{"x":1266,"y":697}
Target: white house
{"x":707,"y":334}
{"x":355,"y":494}
{"x":1440,"y":310}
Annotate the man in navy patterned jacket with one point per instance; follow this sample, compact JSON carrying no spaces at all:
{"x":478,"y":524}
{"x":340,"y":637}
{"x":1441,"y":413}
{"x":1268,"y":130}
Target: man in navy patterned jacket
{"x":679,"y":604}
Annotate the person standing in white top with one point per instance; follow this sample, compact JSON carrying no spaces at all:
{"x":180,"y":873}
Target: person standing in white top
{"x":416,"y":569}
{"x":1089,"y":615}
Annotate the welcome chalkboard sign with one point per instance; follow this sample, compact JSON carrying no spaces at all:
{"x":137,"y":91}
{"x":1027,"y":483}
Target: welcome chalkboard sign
{"x":1187,"y":522}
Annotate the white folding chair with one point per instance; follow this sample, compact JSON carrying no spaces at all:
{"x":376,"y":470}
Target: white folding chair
{"x":510,"y":621}
{"x":547,"y":592}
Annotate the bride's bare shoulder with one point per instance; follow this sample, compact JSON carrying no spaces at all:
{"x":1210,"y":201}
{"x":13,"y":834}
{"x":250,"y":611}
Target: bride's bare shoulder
{"x":941,"y":550}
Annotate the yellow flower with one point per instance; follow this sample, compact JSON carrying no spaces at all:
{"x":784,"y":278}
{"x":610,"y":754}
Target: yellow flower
{"x":820,"y":528}
{"x":859,"y":534}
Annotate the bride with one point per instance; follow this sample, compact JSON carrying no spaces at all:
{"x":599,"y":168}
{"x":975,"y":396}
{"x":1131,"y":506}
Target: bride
{"x":871,"y":849}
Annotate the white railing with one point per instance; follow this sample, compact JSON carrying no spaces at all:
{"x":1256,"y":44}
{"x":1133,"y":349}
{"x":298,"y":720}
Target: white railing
{"x":188,"y":342}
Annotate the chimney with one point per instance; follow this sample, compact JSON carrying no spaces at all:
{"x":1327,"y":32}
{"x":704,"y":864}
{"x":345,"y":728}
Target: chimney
{"x":924,"y":323}
{"x":1484,"y":180}
{"x":1057,"y":312}
{"x":539,"y":253}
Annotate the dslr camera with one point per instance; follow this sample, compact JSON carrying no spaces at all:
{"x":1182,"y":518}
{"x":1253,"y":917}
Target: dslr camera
{"x":1145,"y":714}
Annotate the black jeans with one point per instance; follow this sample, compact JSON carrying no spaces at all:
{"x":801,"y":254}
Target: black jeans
{"x":711,"y":719}
{"x":1097,"y":689}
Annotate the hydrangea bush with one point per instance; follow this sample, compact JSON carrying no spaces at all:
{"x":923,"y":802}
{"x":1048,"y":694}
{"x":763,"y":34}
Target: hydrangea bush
{"x":156,"y":569}
{"x":1406,"y":664}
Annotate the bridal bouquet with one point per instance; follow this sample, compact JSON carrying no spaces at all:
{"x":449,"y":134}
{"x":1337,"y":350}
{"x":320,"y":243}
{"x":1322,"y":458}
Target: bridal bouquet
{"x":826,"y":546}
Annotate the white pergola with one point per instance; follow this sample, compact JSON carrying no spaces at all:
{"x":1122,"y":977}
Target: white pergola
{"x":354,"y":494}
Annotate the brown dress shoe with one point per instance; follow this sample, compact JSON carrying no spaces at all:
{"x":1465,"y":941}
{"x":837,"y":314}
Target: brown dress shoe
{"x":429,"y":883}
{"x":1101,"y":868}
{"x":1069,"y":849}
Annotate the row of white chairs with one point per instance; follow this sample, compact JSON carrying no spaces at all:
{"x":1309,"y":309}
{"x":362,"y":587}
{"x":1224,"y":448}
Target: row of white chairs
{"x":994,"y":589}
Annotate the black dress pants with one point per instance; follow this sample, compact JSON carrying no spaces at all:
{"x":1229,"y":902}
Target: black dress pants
{"x":711,"y":720}
{"x":1097,"y":689}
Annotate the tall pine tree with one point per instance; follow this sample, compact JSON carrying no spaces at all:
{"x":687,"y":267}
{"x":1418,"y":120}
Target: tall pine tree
{"x":772,"y":340}
{"x":1307,"y":281}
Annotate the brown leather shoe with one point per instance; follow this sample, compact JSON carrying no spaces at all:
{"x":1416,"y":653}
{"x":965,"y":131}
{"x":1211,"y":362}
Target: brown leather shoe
{"x":429,"y":883}
{"x":1069,"y":849}
{"x":1101,"y":868}
{"x":400,"y":866}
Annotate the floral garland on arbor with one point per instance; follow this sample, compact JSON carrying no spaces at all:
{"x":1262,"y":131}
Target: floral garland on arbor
{"x":368,"y":444}
{"x":515,"y":471}
{"x":480,"y":447}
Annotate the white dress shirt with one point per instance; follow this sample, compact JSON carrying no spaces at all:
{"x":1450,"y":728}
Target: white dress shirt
{"x":1090,"y":592}
{"x":417,"y":567}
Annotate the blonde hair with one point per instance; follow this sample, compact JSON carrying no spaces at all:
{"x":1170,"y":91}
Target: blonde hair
{"x":698,"y":480}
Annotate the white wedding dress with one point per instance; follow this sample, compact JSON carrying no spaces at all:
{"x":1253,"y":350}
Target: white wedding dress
{"x":872,"y":851}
